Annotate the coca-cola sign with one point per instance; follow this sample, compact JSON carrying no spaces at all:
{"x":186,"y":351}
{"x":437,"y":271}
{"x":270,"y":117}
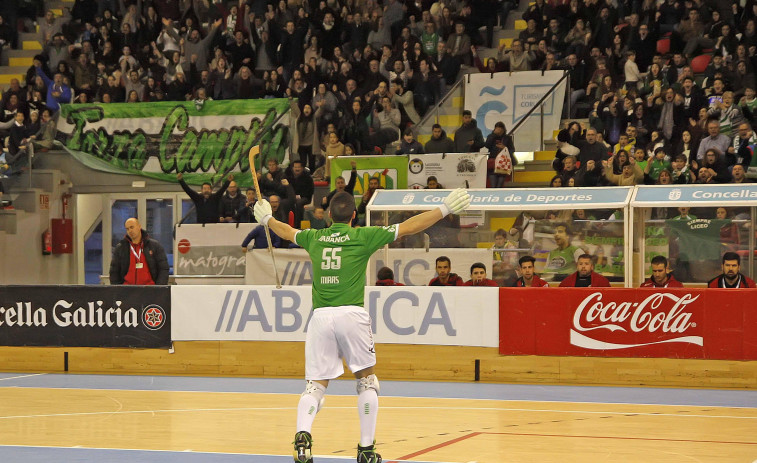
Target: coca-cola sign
{"x":661,"y":317}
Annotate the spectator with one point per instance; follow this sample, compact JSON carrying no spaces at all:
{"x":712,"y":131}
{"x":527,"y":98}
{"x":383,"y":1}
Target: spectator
{"x":731,"y":276}
{"x":631,"y":173}
{"x":727,"y":113}
{"x":342,"y":185}
{"x":409,"y":144}
{"x":715,"y":140}
{"x":138,"y":259}
{"x":19,"y":142}
{"x":302,"y":183}
{"x":433,"y":184}
{"x":478,"y":276}
{"x":468,"y":138}
{"x":528,"y":277}
{"x":57,"y":91}
{"x":245,"y":212}
{"x":385,"y":277}
{"x":715,"y":167}
{"x":742,"y":150}
{"x":439,"y":142}
{"x":516,"y":58}
{"x":681,"y":173}
{"x":259,"y":239}
{"x":425,"y":86}
{"x":373,"y":185}
{"x":585,"y":276}
{"x":444,"y":277}
{"x":657,"y":164}
{"x":305,"y":142}
{"x":590,"y":149}
{"x":738,"y":174}
{"x":207,"y":204}
{"x":459,"y":44}
{"x":661,"y":277}
{"x":231,"y":202}
{"x":564,"y":149}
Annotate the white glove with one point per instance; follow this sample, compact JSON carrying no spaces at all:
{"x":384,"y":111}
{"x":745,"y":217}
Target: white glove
{"x":263,"y":211}
{"x":456,"y":202}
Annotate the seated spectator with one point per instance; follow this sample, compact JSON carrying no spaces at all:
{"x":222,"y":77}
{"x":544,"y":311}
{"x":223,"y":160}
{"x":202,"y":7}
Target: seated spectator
{"x":715,"y":140}
{"x":385,"y":277}
{"x":409,"y":144}
{"x":478,"y":276}
{"x":259,"y":239}
{"x":444,"y":275}
{"x":716,"y":167}
{"x":468,"y":138}
{"x":342,"y":185}
{"x":433,"y":184}
{"x":585,"y":276}
{"x":231,"y":202}
{"x":731,"y":276}
{"x":569,"y":171}
{"x":630,"y":176}
{"x":207,"y":204}
{"x":661,"y":277}
{"x":738,"y":174}
{"x":317,"y":218}
{"x":439,"y":142}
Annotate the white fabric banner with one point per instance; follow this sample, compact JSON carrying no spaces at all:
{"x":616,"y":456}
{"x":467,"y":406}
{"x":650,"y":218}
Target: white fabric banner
{"x":452,"y":170}
{"x":211,"y":249}
{"x":427,"y":315}
{"x":508,"y":97}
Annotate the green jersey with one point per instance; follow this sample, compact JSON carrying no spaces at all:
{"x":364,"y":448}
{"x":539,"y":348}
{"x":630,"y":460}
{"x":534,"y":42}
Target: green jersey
{"x":698,"y":239}
{"x":563,"y":261}
{"x":340,"y":255}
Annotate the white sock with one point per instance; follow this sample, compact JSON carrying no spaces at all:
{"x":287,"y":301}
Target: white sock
{"x":307,"y":409}
{"x":367,"y":408}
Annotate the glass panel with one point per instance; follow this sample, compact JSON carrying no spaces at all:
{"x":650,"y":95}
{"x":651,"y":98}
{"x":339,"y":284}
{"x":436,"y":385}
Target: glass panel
{"x":121,"y":210}
{"x":93,"y":256}
{"x":160,"y":225}
{"x":695,"y":239}
{"x":186,"y":207}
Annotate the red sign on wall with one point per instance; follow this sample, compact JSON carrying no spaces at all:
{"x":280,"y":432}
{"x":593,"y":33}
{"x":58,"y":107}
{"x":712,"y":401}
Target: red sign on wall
{"x":615,"y":322}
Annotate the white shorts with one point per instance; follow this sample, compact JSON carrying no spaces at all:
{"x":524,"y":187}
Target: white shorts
{"x":336,"y":333}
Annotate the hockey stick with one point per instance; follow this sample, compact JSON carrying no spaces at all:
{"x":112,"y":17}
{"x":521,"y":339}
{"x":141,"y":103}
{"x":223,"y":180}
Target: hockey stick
{"x":254,"y":151}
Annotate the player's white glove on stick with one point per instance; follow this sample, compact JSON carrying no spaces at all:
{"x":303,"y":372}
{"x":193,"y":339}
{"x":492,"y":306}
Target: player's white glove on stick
{"x":456,"y":202}
{"x":263,"y":211}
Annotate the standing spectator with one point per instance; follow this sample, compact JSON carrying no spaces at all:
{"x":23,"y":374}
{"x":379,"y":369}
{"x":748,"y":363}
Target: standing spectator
{"x":528,"y":277}
{"x":468,"y":138}
{"x":715,"y":140}
{"x":731,"y":276}
{"x":425,"y":87}
{"x":302,"y":183}
{"x":409,"y":144}
{"x":196,"y":49}
{"x":444,"y":276}
{"x":342,"y":185}
{"x":246,"y":213}
{"x":459,"y":44}
{"x":373,"y":185}
{"x":138,"y":259}
{"x":439,"y":142}
{"x":590,"y":149}
{"x":207,"y":204}
{"x":478,"y":276}
{"x":57,"y":91}
{"x":231,"y":202}
{"x":495,"y":143}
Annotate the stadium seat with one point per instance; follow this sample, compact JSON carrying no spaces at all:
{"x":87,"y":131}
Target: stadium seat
{"x":663,"y":46}
{"x":699,"y":63}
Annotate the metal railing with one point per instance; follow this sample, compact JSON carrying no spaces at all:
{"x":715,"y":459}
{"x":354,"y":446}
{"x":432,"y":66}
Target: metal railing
{"x":221,"y":177}
{"x":540,"y":105}
{"x":424,"y":125}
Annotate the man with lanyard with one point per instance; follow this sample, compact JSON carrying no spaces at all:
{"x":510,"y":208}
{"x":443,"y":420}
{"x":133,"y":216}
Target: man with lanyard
{"x":528,"y":278}
{"x":138,"y":259}
{"x":731,"y":276}
{"x":340,"y":326}
{"x":660,"y":277}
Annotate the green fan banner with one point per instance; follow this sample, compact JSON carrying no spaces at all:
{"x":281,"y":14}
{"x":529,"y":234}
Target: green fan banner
{"x":161,"y":139}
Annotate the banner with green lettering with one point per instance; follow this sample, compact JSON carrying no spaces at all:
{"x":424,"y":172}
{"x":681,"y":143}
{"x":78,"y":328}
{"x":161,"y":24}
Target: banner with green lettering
{"x":160,"y":139}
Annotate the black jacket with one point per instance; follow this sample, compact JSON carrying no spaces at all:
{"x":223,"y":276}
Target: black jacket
{"x":155,"y":255}
{"x":208,"y":210}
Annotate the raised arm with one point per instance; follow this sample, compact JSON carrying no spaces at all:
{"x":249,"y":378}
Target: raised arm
{"x":456,"y":202}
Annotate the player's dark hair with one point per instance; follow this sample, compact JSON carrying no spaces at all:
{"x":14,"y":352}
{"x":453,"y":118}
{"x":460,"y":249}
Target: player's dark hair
{"x":525,"y":259}
{"x":477,"y":265}
{"x":732,"y":256}
{"x":657,"y":260}
{"x":385,"y":273}
{"x":584,"y":256}
{"x":341,"y":207}
{"x":444,"y":259}
{"x":568,"y":231}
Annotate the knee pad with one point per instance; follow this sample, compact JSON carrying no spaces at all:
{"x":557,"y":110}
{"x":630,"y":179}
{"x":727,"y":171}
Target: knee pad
{"x":317,"y":390}
{"x":368,"y":382}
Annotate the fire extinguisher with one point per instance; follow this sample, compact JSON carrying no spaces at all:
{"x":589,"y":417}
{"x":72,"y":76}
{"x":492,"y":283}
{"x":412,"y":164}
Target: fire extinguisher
{"x":47,"y":243}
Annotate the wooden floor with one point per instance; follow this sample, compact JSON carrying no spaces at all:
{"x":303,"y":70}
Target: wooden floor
{"x":429,"y":429}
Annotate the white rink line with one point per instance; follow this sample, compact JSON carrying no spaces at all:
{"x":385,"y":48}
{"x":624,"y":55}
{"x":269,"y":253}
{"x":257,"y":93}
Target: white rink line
{"x":22,"y":376}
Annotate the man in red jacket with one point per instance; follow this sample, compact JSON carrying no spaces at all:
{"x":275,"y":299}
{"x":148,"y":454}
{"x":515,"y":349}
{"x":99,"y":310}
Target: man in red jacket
{"x":585,"y":276}
{"x":660,"y":277}
{"x":731,"y":276}
{"x":444,"y":275}
{"x":528,"y":278}
{"x":478,"y":276}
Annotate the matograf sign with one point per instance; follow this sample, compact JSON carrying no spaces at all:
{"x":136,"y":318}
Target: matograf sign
{"x":159,"y":140}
